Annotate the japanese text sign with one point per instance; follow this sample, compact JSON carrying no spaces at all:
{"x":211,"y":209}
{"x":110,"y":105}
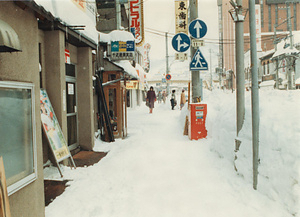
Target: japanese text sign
{"x":181,"y":16}
{"x":136,"y":20}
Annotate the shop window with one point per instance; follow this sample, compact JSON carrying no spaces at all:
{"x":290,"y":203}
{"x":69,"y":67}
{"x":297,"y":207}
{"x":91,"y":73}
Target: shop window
{"x":17,"y":133}
{"x":112,"y":77}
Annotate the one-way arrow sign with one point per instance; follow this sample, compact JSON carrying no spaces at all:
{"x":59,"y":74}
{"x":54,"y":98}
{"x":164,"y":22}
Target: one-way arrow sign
{"x":198,"y":62}
{"x":181,"y":42}
{"x":197,"y":29}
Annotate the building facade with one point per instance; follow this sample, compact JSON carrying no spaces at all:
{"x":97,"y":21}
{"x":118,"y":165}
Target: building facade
{"x":276,"y":20}
{"x":53,"y":57}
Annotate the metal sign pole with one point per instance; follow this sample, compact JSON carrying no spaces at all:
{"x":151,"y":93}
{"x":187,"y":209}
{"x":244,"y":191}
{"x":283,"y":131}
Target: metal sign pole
{"x":254,"y":93}
{"x":196,"y":87}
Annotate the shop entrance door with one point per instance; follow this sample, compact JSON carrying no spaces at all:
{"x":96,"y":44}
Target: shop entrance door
{"x":72,"y":115}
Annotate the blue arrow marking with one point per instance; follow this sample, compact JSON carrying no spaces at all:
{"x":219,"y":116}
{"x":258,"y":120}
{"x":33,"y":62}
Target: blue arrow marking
{"x":179,"y":45}
{"x":181,"y":42}
{"x":197,"y":29}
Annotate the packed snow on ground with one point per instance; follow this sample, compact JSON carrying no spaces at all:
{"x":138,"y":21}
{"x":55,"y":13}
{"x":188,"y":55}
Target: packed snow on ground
{"x":157,"y":171}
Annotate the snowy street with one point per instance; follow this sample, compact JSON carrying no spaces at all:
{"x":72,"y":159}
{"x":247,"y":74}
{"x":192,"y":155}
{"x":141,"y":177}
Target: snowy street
{"x":157,"y":171}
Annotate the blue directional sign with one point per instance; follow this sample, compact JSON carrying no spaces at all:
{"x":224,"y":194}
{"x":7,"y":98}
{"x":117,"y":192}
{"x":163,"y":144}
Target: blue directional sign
{"x":197,"y":29}
{"x":198,"y":62}
{"x":181,"y":42}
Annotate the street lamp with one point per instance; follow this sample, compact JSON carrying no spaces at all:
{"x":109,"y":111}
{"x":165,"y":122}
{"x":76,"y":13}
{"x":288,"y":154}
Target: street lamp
{"x":238,"y":14}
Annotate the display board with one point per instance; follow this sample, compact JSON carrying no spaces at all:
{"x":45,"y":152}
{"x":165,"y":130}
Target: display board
{"x":53,"y":131}
{"x":4,"y":202}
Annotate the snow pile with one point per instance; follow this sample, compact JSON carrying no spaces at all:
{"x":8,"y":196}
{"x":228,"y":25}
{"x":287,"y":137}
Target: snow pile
{"x":278,"y":147}
{"x":127,"y":67}
{"x":156,"y":171}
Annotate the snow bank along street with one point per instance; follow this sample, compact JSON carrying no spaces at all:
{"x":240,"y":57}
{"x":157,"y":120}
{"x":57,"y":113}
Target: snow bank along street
{"x":157,"y":171}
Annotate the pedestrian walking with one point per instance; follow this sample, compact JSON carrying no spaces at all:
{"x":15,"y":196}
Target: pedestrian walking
{"x":159,"y":97}
{"x":164,"y":96}
{"x":173,"y":100}
{"x":182,"y":99}
{"x":151,"y":98}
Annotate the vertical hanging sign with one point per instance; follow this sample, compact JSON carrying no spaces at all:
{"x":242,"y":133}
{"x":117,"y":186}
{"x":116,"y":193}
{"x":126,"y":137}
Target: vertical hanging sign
{"x":136,"y":20}
{"x":181,"y":16}
{"x":258,"y":27}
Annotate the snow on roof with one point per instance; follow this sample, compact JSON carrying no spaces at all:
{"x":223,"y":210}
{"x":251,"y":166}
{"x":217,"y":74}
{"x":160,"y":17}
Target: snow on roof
{"x":296,"y":38}
{"x":70,"y":13}
{"x":127,"y":67}
{"x":297,"y":81}
{"x":267,"y":83}
{"x":281,"y":50}
{"x":285,"y":51}
{"x":116,"y":35}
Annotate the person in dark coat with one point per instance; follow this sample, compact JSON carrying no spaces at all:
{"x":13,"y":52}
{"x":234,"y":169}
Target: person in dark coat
{"x":151,"y":98}
{"x":173,"y":100}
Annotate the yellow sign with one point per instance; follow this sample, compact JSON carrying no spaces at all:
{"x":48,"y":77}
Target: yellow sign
{"x":132,"y":85}
{"x":122,"y":46}
{"x":181,"y":16}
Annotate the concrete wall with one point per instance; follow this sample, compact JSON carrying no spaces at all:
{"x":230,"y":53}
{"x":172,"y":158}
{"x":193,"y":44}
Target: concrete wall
{"x":56,"y":76}
{"x":24,"y":66}
{"x":85,"y":98}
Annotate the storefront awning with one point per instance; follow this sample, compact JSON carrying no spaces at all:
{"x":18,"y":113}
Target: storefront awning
{"x":9,"y":40}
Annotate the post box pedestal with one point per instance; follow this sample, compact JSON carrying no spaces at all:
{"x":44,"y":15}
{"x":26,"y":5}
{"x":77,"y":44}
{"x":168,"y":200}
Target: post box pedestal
{"x":197,"y":119}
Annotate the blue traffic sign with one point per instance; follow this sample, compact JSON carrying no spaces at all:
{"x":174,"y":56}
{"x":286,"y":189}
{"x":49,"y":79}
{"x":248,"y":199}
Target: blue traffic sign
{"x":197,"y":29}
{"x":198,"y":62}
{"x":181,"y":42}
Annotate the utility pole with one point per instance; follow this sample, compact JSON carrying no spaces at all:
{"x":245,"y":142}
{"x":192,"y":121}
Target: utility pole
{"x":277,"y":64}
{"x":254,"y":93}
{"x":239,"y":17}
{"x":196,"y":83}
{"x":167,"y":62}
{"x":289,"y":23}
{"x":118,"y":14}
{"x":289,"y":59}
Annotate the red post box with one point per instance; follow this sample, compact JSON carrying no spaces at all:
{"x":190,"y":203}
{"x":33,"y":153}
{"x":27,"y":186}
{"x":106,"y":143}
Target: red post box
{"x":197,"y":118}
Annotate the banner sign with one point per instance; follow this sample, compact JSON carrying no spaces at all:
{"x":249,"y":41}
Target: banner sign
{"x":122,"y":50}
{"x":136,"y":20}
{"x":181,"y":16}
{"x":146,"y":57}
{"x":52,"y":129}
{"x":258,"y":27}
